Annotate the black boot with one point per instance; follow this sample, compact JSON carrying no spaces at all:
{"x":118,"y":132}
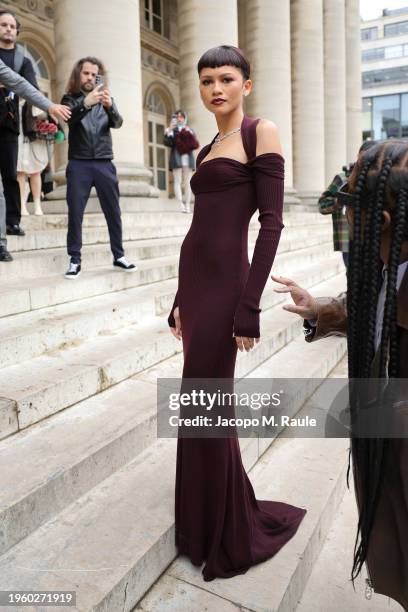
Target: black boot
{"x":15,"y":230}
{"x":4,"y":254}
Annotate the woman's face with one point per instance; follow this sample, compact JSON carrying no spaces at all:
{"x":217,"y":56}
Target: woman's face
{"x":223,"y":88}
{"x":180,"y":118}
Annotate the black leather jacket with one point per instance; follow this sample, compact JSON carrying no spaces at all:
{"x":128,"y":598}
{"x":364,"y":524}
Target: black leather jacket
{"x":89,"y":130}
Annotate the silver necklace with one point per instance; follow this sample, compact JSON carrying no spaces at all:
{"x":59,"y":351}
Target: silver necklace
{"x":218,"y":139}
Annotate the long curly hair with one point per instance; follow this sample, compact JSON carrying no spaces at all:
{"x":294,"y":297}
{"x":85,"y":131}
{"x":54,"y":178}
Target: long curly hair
{"x":74,"y":81}
{"x":378,"y":182}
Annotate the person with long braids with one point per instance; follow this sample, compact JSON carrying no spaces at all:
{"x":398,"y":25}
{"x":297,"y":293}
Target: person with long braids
{"x":216,"y":312}
{"x":374,"y":316}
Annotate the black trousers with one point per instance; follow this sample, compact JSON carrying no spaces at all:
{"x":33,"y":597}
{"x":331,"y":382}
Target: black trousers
{"x":8,"y":169}
{"x":82,"y":175}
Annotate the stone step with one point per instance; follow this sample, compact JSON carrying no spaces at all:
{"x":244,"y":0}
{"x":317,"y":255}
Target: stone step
{"x":60,"y":379}
{"x":156,"y":219}
{"x":309,"y":473}
{"x":143,"y":204}
{"x":28,"y":335}
{"x":48,"y":254}
{"x":333,"y":568}
{"x":292,"y":236}
{"x":119,"y":537}
{"x":22,"y":295}
{"x":90,"y":440}
{"x":94,"y":220}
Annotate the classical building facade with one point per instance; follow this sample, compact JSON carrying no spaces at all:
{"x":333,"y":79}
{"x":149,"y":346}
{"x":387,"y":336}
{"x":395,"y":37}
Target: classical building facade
{"x":384,"y":54}
{"x":305,"y":56}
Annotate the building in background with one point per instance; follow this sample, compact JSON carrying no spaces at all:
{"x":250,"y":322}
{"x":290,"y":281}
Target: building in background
{"x":384,"y":55}
{"x":306,"y":70}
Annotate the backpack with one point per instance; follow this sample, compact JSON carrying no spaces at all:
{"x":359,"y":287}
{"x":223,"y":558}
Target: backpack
{"x":9,"y":118}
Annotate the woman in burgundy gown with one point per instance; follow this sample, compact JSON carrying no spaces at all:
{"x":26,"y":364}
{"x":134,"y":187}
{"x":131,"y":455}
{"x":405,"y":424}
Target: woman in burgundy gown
{"x":216,"y":311}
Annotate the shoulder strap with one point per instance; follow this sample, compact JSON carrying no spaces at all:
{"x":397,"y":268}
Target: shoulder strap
{"x":19,"y":57}
{"x":248,"y":133}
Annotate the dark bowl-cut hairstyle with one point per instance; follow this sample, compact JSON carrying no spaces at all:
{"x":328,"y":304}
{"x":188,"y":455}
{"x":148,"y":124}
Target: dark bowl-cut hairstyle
{"x":74,"y":81}
{"x":225,"y":55}
{"x":180,"y":111}
{"x":6,"y":12}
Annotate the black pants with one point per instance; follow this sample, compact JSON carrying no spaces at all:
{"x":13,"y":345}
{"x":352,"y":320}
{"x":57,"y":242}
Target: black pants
{"x":8,"y":169}
{"x":82,"y":175}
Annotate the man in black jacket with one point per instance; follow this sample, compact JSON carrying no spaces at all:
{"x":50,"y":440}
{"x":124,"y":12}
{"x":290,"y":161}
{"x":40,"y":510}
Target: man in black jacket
{"x":90,"y":156}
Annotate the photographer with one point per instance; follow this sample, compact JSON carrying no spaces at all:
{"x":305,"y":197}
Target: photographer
{"x":181,"y":138}
{"x":90,"y":156}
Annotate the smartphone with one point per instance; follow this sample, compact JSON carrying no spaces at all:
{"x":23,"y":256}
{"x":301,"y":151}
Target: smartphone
{"x":99,"y":80}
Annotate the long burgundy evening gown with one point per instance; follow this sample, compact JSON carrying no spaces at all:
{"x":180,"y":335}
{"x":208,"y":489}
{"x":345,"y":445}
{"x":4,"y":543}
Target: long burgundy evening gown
{"x":218,"y":519}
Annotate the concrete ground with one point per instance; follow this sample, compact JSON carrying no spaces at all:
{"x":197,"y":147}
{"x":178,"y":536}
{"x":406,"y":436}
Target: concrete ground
{"x":329,"y":588}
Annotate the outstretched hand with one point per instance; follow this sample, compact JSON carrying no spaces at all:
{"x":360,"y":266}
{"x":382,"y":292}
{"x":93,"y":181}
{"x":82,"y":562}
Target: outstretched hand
{"x":176,"y":331}
{"x":305,"y":305}
{"x":59,"y":112}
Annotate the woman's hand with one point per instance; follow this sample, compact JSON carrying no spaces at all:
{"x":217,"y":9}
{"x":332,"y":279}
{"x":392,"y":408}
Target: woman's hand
{"x":246,"y":344}
{"x":176,"y":331}
{"x":305,"y":304}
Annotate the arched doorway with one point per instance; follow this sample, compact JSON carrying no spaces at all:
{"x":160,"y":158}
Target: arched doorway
{"x":157,"y":152}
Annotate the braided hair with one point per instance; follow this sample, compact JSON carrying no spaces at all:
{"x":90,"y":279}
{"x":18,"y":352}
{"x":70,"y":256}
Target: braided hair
{"x":379,"y":182}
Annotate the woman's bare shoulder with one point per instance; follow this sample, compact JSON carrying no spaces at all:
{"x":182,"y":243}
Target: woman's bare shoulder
{"x":267,"y":138}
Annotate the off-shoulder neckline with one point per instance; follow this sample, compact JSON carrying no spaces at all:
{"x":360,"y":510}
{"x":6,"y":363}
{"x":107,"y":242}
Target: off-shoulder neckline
{"x":247,"y":163}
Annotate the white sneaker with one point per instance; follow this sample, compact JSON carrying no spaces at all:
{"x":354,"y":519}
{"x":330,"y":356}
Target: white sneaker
{"x":73,"y":271}
{"x":183,"y":208}
{"x":124,"y":264}
{"x":24,"y":210}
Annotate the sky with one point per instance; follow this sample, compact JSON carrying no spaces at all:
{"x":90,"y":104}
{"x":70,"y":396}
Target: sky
{"x":369,"y":9}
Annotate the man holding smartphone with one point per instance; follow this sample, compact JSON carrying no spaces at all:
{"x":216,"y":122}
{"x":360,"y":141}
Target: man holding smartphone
{"x":93,"y":114}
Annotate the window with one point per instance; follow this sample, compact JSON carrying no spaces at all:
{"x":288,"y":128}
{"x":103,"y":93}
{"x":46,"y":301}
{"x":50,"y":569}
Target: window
{"x":369,"y":33}
{"x":369,"y":55}
{"x":155,"y":103}
{"x":367,"y":118}
{"x":386,"y":116}
{"x":395,"y":29}
{"x":372,"y":78}
{"x":157,"y":151}
{"x":404,"y":115}
{"x":39,"y":65}
{"x":394,"y":51}
{"x":153,"y":15}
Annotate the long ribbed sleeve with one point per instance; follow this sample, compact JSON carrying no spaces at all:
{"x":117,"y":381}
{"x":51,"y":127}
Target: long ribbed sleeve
{"x":171,"y":321}
{"x":268,"y":170}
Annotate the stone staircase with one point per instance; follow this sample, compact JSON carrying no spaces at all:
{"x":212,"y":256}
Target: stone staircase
{"x":86,"y":488}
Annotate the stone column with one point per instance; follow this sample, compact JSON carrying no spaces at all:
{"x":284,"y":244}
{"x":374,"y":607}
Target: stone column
{"x":268,"y":48}
{"x":353,"y":79}
{"x":202,"y":25}
{"x":111,"y":32}
{"x":335,"y":87}
{"x":308,"y":97}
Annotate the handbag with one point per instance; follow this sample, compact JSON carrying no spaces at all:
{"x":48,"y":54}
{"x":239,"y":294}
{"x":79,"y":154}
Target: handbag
{"x":185,"y":141}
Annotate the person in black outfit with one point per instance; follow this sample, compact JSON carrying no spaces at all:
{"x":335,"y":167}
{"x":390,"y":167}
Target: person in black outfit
{"x":9,"y":120}
{"x":90,"y":156}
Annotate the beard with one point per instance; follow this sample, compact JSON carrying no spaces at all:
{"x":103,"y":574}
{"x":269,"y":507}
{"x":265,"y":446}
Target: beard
{"x":88,"y":87}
